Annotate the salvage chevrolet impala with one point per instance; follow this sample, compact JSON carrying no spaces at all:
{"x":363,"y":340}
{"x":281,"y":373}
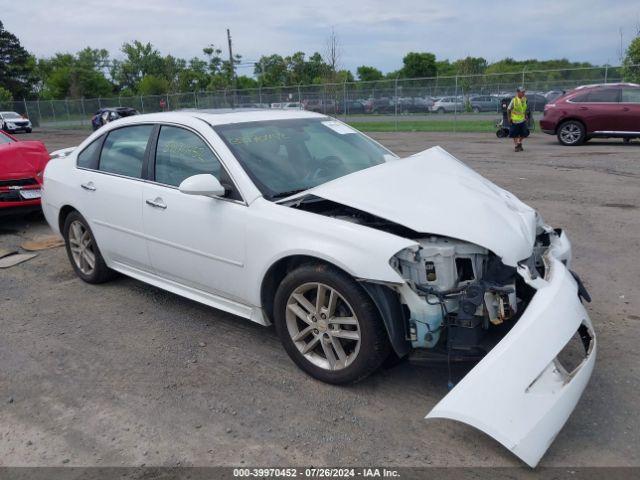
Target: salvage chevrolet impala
{"x":356,"y":256}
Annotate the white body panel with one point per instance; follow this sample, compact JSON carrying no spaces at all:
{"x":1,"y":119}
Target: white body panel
{"x":433,"y":192}
{"x":218,"y":251}
{"x":517,"y":394}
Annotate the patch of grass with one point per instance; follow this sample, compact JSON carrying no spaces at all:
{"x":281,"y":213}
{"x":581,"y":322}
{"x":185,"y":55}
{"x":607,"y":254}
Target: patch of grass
{"x":483,"y":125}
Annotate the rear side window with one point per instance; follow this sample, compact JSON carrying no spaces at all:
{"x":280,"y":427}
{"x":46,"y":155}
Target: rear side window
{"x":123,"y":150}
{"x":181,"y":154}
{"x":581,"y":98}
{"x":88,"y":158}
{"x":631,"y":95}
{"x":605,"y":95}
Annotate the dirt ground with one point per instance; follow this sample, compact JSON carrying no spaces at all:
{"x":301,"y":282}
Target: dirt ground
{"x":116,"y":374}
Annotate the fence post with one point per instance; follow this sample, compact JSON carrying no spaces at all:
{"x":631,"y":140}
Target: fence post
{"x":395,"y":101}
{"x":606,"y":71}
{"x":455,"y":107}
{"x":195,"y":99}
{"x":53,"y":110}
{"x":523,"y":70}
{"x":141,"y":104}
{"x":84,"y":113}
{"x":344,"y":100}
{"x":39,"y":113}
{"x":26,"y":110}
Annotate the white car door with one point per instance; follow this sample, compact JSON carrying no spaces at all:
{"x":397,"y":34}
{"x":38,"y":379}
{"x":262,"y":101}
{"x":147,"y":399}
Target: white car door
{"x":193,"y":240}
{"x":110,"y":179}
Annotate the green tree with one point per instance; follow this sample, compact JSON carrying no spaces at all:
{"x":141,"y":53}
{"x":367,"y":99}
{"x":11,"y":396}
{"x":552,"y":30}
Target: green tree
{"x":272,"y":70}
{"x":141,"y":59}
{"x":418,"y":64}
{"x":153,"y":85}
{"x":631,"y":63}
{"x":74,"y":76}
{"x":17,"y":66}
{"x":5,"y":95}
{"x":369,"y":74}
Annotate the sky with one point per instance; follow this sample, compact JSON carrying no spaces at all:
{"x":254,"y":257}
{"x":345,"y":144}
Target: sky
{"x":371,"y":32}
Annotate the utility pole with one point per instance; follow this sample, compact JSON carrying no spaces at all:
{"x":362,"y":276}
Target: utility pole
{"x":231,"y":65}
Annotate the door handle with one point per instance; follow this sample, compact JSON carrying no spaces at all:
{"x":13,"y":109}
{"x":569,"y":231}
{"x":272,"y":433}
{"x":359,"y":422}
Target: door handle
{"x":88,"y":186}
{"x":584,"y":108}
{"x":625,"y":109}
{"x":157,"y":203}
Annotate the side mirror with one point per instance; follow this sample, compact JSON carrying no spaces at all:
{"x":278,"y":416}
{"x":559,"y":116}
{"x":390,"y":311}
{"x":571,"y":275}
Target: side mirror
{"x":204,"y":184}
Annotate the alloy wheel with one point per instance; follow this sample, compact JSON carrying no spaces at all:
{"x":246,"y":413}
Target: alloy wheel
{"x":570,"y":133}
{"x":323,"y":326}
{"x":81,"y":246}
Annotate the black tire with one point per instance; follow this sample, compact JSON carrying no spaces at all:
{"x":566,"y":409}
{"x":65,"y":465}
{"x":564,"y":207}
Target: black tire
{"x":571,"y":133}
{"x":28,"y":130}
{"x":100,"y":272}
{"x":441,"y":110}
{"x":374,"y":346}
{"x":475,"y":110}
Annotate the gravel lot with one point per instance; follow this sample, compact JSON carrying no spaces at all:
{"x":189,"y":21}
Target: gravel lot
{"x":126,"y":374}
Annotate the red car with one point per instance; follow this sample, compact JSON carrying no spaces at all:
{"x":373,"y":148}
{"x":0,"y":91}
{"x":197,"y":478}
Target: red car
{"x":21,"y":168}
{"x":594,"y":111}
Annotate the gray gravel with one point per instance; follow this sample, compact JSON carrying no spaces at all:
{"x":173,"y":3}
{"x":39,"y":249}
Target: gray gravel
{"x":126,"y":374}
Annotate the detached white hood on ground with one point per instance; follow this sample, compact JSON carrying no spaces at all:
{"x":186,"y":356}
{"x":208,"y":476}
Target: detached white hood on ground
{"x":433,"y":192}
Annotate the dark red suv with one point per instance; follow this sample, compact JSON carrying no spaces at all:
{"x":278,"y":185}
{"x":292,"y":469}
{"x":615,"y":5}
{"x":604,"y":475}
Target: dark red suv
{"x":592,"y":111}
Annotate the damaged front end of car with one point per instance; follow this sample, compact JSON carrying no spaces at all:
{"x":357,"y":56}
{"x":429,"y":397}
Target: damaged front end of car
{"x":461,"y":300}
{"x":485,"y":279}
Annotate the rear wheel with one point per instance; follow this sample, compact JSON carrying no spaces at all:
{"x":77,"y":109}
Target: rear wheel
{"x":441,"y":110}
{"x":571,"y":133}
{"x":328,"y":325}
{"x":83,"y":252}
{"x":476,"y":110}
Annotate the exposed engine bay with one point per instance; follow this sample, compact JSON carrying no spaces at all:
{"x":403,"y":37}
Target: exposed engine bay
{"x":459,"y":299}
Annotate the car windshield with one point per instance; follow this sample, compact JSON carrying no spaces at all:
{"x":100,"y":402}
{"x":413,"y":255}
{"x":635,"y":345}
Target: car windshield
{"x":11,"y":115}
{"x":284,"y":157}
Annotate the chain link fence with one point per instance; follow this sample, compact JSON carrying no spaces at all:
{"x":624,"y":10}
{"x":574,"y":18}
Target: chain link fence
{"x":448,"y":99}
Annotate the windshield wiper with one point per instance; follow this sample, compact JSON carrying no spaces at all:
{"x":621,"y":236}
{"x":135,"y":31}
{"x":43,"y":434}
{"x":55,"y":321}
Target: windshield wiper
{"x":288,"y":193}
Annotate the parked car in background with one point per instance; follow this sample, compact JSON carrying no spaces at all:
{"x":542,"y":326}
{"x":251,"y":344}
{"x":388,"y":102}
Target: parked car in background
{"x":287,"y":105}
{"x":484,"y":103}
{"x":21,"y":167}
{"x":536,"y":101}
{"x":607,"y":111}
{"x":326,"y":106}
{"x":354,"y":107}
{"x":379,"y":105}
{"x":106,"y":115}
{"x":357,"y":256}
{"x":448,"y":105}
{"x":13,"y":122}
{"x":551,"y":95}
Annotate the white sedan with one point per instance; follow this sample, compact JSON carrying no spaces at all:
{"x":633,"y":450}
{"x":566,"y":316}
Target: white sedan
{"x":357,"y":257}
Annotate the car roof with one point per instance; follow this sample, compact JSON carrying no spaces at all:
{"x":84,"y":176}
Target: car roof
{"x":596,"y":85}
{"x":223,"y":116}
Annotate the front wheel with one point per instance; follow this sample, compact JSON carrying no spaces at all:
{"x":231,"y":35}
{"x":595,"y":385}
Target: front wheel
{"x":328,"y":325}
{"x":571,"y":133}
{"x":83,"y":252}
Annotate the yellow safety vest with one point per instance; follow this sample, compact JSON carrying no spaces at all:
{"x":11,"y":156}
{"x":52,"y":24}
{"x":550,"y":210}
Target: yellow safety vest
{"x":519,"y":109}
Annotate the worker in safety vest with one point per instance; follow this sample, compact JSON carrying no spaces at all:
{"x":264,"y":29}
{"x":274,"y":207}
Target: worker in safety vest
{"x":517,"y":112}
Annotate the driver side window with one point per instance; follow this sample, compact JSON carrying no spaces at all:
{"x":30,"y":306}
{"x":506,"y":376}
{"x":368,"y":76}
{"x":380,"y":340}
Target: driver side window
{"x":181,"y":154}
